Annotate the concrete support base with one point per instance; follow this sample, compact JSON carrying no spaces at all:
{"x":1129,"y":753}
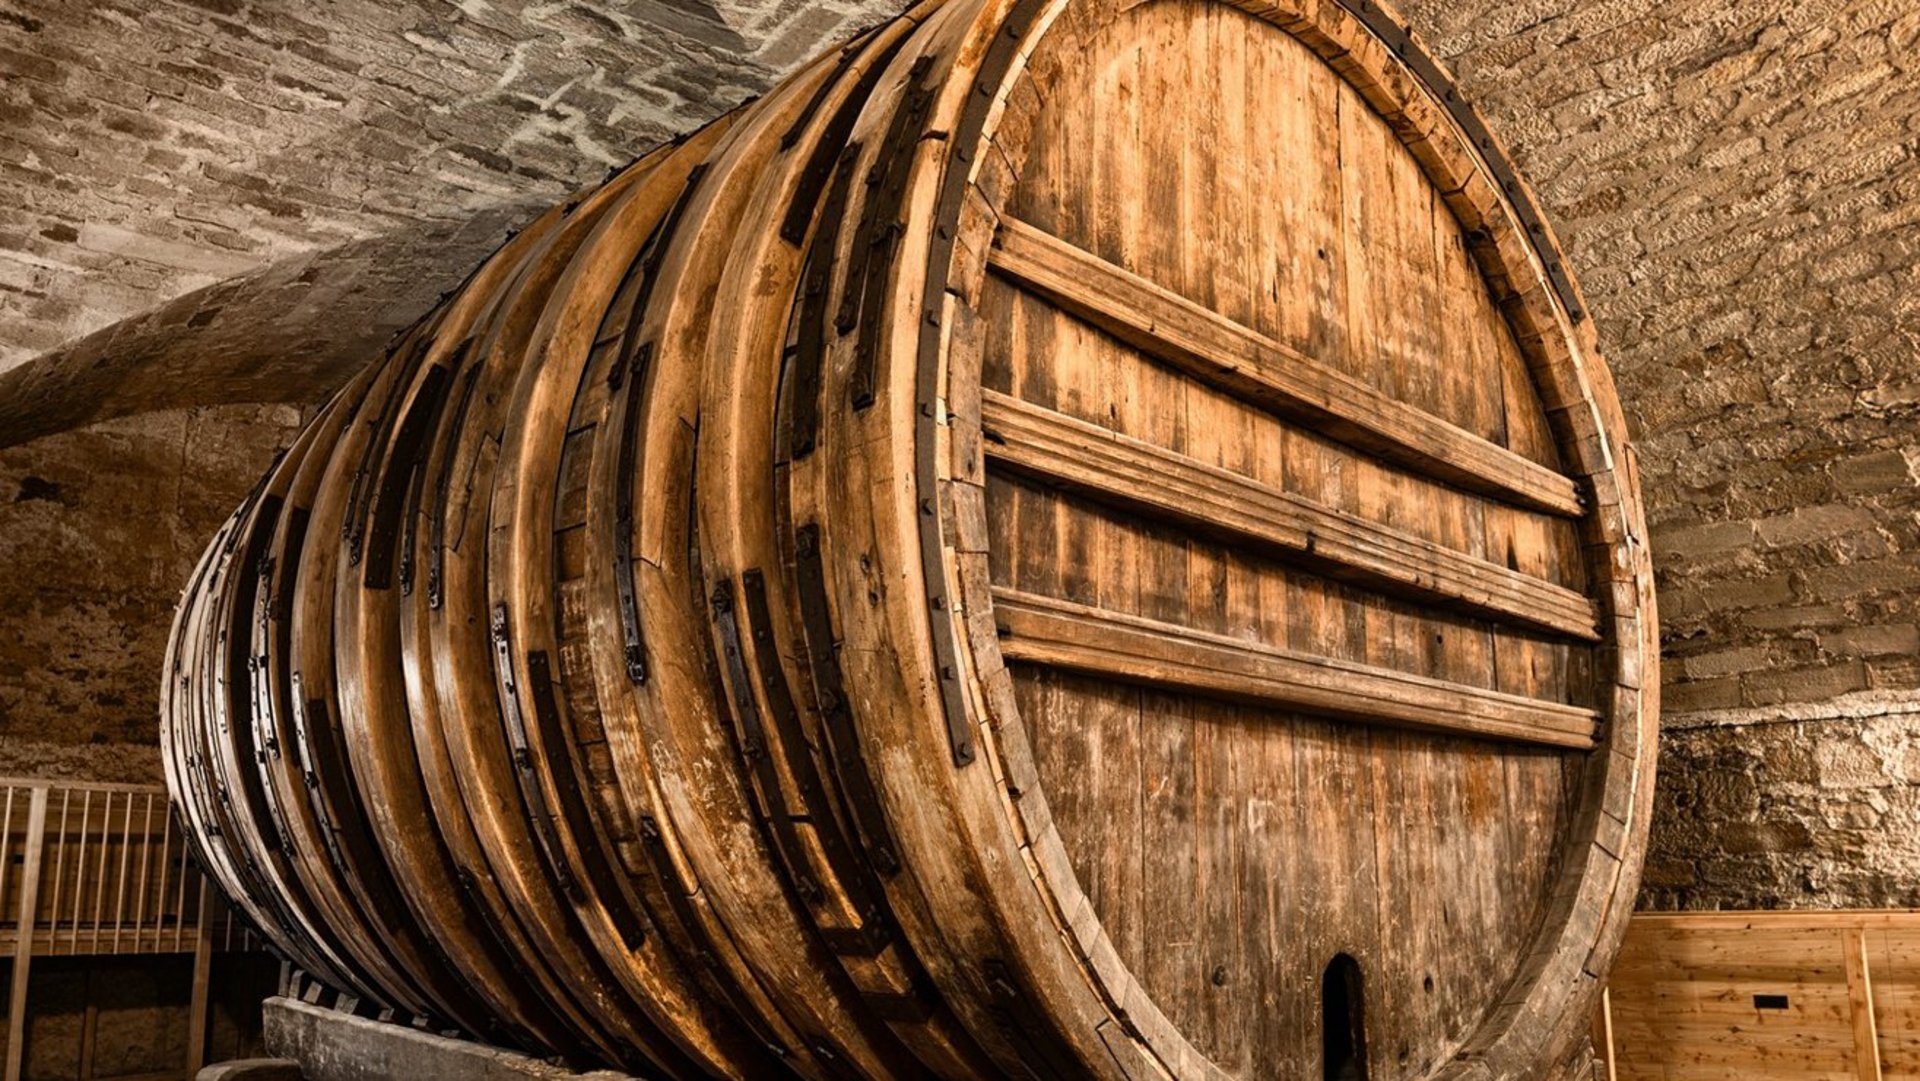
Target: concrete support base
{"x":328,"y":1045}
{"x":251,"y":1069}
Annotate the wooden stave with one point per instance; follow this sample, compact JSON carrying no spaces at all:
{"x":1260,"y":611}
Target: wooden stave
{"x":455,"y":826}
{"x":683,"y":909}
{"x":424,"y":983}
{"x":233,"y":844}
{"x":643,"y":858}
{"x":462,"y":648}
{"x":285,"y":783}
{"x":192,"y":798}
{"x":806,"y":509}
{"x":828,"y":493}
{"x":182,"y":739}
{"x":256,"y":826}
{"x":522,"y":583}
{"x":694,"y":755}
{"x":382,"y":757}
{"x":173,"y":733}
{"x":739,"y":462}
{"x":315,"y":907}
{"x":238,"y":850}
{"x":1640,"y":820}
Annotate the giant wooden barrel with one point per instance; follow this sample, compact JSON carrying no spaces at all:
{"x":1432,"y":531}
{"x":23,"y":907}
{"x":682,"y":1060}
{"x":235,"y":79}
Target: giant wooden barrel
{"x":1074,"y":538}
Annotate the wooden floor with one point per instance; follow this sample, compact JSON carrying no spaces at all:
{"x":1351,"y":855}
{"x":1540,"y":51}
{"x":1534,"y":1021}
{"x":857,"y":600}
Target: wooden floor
{"x":1785,"y":996}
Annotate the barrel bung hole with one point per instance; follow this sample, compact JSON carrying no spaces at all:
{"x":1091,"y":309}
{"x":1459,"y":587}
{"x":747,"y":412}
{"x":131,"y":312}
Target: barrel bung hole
{"x":1343,"y":1021}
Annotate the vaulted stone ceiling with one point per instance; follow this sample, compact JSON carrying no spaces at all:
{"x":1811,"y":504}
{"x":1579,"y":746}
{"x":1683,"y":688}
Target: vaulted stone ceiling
{"x":230,"y":200}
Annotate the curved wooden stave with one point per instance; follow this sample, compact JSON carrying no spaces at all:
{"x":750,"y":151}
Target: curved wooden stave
{"x":704,"y":766}
{"x":741,"y":458}
{"x":536,"y":957}
{"x":183,"y":741}
{"x":230,"y":842}
{"x":870,"y":591}
{"x":639,"y":845}
{"x":462,"y":646}
{"x":426,"y":985}
{"x":373,"y":695}
{"x":637,"y":938}
{"x":232,"y":846}
{"x":627,"y":798}
{"x":235,"y":752}
{"x":284,"y":770}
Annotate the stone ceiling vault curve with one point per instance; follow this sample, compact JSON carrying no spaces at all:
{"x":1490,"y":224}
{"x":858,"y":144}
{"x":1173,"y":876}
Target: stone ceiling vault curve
{"x":207,"y":201}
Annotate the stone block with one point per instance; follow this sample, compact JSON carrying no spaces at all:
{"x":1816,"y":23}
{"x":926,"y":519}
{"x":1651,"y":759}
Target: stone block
{"x":1894,"y":574}
{"x":1808,"y":525}
{"x":251,"y":1069}
{"x":330,"y":1045}
{"x":1796,"y":618}
{"x":1705,"y":541}
{"x":1736,"y":594}
{"x":1808,"y":684}
{"x":1727,"y":662}
{"x":1877,"y":471}
{"x":1752,"y":838}
{"x":1872,"y":641}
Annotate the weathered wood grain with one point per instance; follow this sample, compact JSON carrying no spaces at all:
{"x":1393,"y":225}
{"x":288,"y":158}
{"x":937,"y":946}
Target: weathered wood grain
{"x":1219,"y":351}
{"x":1060,"y":634}
{"x":1765,"y":994}
{"x":1142,"y":477}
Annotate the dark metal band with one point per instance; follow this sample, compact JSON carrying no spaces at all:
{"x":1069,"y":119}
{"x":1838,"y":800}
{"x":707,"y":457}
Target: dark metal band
{"x":1440,"y":84}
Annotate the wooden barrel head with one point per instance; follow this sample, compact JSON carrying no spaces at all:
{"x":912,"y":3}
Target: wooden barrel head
{"x":1234,"y":849}
{"x":1265,"y":535}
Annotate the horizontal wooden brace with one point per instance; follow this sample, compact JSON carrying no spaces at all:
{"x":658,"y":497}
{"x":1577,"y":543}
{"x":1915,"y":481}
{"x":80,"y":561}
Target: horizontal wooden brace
{"x":1222,"y":353}
{"x":1139,"y":476}
{"x":1061,"y":634}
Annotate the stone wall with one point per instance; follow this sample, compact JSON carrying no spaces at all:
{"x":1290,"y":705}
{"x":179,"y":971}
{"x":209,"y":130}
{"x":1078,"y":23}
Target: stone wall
{"x":99,"y":530}
{"x":1791,"y":807}
{"x":1739,"y":189}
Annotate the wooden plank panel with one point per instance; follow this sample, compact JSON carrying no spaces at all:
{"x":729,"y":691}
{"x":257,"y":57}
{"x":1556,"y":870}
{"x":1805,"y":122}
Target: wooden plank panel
{"x":1218,"y":351}
{"x":1895,"y":956}
{"x":1136,"y":475}
{"x":1824,"y":995}
{"x":1866,"y":1044}
{"x":1278,"y":240}
{"x":1062,"y":634}
{"x":1205,"y":253}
